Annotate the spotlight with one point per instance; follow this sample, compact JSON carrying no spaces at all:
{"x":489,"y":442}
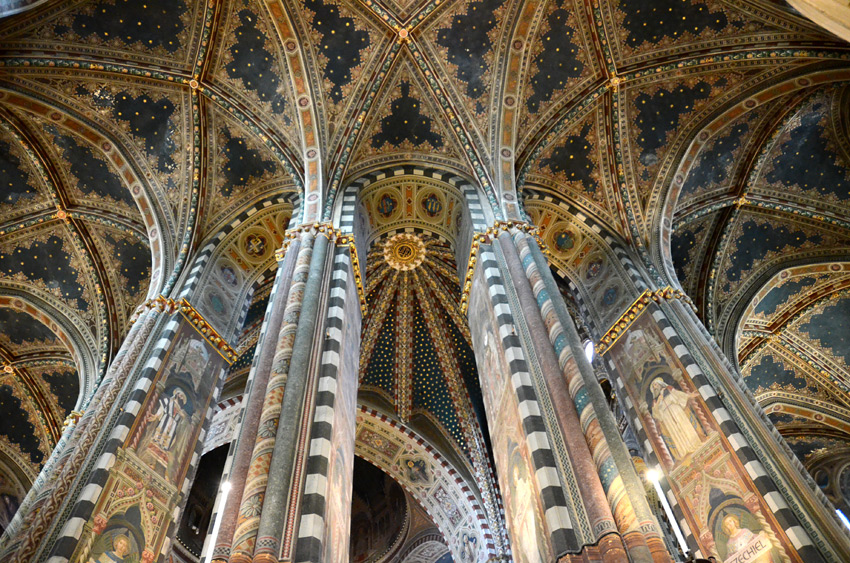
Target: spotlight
{"x":589,"y":350}
{"x":843,"y":518}
{"x":654,"y":476}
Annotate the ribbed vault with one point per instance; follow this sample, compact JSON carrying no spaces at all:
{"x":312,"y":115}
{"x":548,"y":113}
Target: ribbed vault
{"x":706,"y":138}
{"x":759,"y":238}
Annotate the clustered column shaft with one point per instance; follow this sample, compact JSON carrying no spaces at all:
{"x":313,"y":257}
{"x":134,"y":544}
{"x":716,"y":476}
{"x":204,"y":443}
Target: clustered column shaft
{"x":628,"y":504}
{"x":251,"y":505}
{"x":275,"y":505}
{"x":593,"y":494}
{"x":254,"y":401}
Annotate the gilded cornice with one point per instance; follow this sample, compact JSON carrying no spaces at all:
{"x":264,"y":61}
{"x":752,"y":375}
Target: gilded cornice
{"x":204,"y":328}
{"x":485,"y":238}
{"x":635,"y":310}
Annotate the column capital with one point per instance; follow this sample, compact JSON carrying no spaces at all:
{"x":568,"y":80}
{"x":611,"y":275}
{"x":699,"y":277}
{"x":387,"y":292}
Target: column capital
{"x":485,"y":237}
{"x":72,"y":418}
{"x":325,"y":229}
{"x":159,"y":303}
{"x":335,"y":236}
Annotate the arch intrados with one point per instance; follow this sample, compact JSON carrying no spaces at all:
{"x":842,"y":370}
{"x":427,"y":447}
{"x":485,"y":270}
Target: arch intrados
{"x":409,"y":217}
{"x":820,"y":414}
{"x":454,"y":179}
{"x":598,"y":230}
{"x":417,"y":446}
{"x":569,"y":209}
{"x":16,"y":476}
{"x":414,"y":167}
{"x":219,"y":246}
{"x":779,"y":277}
{"x":226,"y":224}
{"x":237,"y":219}
{"x":69,"y":335}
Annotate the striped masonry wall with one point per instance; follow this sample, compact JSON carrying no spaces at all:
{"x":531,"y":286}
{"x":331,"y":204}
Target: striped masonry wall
{"x":764,"y":484}
{"x":312,"y":522}
{"x":628,"y":523}
{"x":83,"y":508}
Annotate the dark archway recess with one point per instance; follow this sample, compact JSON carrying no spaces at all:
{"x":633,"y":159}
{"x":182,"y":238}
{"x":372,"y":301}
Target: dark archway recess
{"x":197,"y":515}
{"x":378,"y":513}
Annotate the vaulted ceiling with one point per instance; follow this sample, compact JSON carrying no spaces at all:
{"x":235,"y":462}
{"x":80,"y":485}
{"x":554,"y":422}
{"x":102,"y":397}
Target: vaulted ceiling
{"x":416,"y":357}
{"x":130,"y":132}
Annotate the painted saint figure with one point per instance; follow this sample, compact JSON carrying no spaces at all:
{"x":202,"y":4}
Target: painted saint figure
{"x":166,"y":432}
{"x":524,"y":514}
{"x":168,"y":416}
{"x":118,"y":553}
{"x":675,"y":418}
{"x":743,"y":544}
{"x":417,"y":471}
{"x":469,"y":546}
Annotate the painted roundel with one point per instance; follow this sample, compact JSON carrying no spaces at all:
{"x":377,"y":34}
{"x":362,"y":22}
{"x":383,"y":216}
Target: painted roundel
{"x":432,"y":205}
{"x":387,"y":204}
{"x":255,"y":245}
{"x":565,"y":241}
{"x":217,"y":303}
{"x":404,"y":251}
{"x":595,"y":268}
{"x":609,"y":296}
{"x":227,"y":273}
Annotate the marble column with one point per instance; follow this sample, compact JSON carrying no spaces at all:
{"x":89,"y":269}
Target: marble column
{"x":40,"y":489}
{"x":296,"y":501}
{"x":292,"y":426}
{"x":324,"y":493}
{"x":554,"y":503}
{"x":622,"y":486}
{"x":251,"y":503}
{"x":135,"y":469}
{"x":567,"y":417}
{"x":240,"y":454}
